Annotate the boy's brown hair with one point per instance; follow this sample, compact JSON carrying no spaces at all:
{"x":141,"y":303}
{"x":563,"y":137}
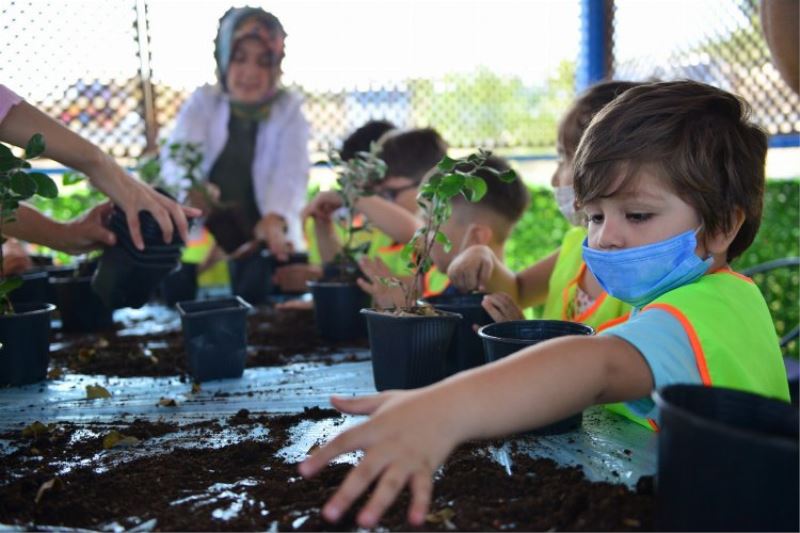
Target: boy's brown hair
{"x":696,"y":137}
{"x":411,"y":154}
{"x":508,"y":200}
{"x":585,"y":107}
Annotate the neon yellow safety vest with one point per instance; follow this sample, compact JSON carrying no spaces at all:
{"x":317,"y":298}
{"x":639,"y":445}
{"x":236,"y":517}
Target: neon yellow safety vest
{"x":435,"y":282}
{"x":563,"y":286}
{"x":731,"y":332}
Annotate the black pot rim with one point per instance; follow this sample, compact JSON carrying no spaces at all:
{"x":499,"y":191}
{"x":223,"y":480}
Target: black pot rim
{"x":311,"y":284}
{"x":385,"y":313}
{"x":482,"y":334}
{"x":241,"y":305}
{"x":71,"y":279}
{"x":45,"y":308}
{"x":33,"y":275}
{"x":698,"y":421}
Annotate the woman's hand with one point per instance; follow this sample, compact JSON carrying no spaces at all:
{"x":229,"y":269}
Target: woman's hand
{"x":202,"y":196}
{"x":501,"y":307}
{"x":271,"y":229}
{"x":15,"y":258}
{"x":472,"y":269}
{"x":406,"y":439}
{"x":293,"y":278}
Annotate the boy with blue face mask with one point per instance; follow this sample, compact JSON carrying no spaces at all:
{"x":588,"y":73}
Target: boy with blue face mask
{"x":655,"y":165}
{"x":561,"y":280}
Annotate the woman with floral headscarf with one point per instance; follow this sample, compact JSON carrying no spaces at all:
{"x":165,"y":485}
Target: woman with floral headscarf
{"x":251,"y":131}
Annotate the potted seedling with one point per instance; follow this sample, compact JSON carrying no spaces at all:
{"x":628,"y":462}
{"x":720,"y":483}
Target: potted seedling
{"x":225,"y":222}
{"x":409,"y":345}
{"x":338,"y":300}
{"x":24,"y":330}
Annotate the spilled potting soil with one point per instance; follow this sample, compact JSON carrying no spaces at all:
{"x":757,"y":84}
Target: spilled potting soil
{"x":239,"y":473}
{"x":148,"y":347}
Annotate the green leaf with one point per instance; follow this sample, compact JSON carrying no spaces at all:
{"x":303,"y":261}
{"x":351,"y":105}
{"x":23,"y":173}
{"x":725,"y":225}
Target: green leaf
{"x":446,"y":164}
{"x":442,"y":239}
{"x":451,"y":185}
{"x":476,"y":187}
{"x":9,"y":284}
{"x":5,"y":152}
{"x":407,"y":252}
{"x":44,"y":185}
{"x":35,"y":146}
{"x":71,"y":178}
{"x":508,"y":176}
{"x":9,"y":162}
{"x":23,"y":184}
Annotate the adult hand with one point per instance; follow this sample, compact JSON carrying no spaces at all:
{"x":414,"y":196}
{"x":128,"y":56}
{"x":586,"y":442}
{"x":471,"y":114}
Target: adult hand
{"x":322,"y":206}
{"x":472,"y":269}
{"x":501,"y":307}
{"x":87,"y":232}
{"x":271,"y":229}
{"x":202,"y":195}
{"x":406,"y":439}
{"x":293,"y":278}
{"x":295,"y":305}
{"x":15,"y":259}
{"x":383,"y":295}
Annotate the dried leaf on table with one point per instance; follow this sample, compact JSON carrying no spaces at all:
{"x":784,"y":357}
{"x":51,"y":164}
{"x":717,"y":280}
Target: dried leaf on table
{"x":96,"y":391}
{"x":314,"y":448}
{"x":196,"y":388}
{"x":442,"y":516}
{"x":116,"y":439}
{"x":167,"y":402}
{"x":36,"y":430}
{"x":85,"y":355}
{"x":51,"y":485}
{"x":102,"y":342}
{"x":55,"y":373}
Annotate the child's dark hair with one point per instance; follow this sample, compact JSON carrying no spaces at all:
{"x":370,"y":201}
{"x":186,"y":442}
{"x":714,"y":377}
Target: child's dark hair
{"x":508,"y":200}
{"x":361,"y":139}
{"x":586,"y":106}
{"x":695,"y":137}
{"x":411,"y":154}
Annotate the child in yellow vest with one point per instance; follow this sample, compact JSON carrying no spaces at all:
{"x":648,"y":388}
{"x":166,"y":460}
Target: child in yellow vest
{"x":671,"y":178}
{"x":487,"y":222}
{"x":560,"y":281}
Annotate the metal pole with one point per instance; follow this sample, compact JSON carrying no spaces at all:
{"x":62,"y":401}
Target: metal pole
{"x":148,"y":97}
{"x":595,"y":54}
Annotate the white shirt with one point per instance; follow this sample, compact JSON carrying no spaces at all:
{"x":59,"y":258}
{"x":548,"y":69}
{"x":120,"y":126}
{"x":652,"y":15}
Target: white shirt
{"x":281,"y":162}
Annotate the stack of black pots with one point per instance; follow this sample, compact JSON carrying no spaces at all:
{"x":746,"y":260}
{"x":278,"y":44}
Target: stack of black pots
{"x":126,"y":276}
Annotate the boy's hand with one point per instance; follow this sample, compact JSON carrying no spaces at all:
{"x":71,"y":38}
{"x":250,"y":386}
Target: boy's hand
{"x":383,"y":296}
{"x":322,"y":206}
{"x":472,"y":269}
{"x":404,"y":441}
{"x":271,"y":229}
{"x":15,"y":258}
{"x":501,"y":307}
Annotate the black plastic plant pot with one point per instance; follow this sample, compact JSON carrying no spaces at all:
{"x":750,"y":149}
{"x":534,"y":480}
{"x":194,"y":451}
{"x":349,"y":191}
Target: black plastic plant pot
{"x":466,"y":350}
{"x":251,"y":277}
{"x":57,"y":272}
{"x":215,"y":337}
{"x":727,"y":461}
{"x":504,"y":338}
{"x":80,"y":308}
{"x":34,"y":289}
{"x":122,"y":281}
{"x":25,"y":338}
{"x":337,"y":310}
{"x":180,"y":285}
{"x":409,"y":351}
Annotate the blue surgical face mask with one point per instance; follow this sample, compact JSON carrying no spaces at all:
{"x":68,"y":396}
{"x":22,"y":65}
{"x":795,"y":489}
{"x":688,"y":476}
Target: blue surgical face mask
{"x":640,"y":275}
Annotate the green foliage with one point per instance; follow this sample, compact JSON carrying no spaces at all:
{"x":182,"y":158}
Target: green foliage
{"x":189,"y":157}
{"x":542,"y":227}
{"x":452,"y":177}
{"x":473,"y":108}
{"x":355,"y":178}
{"x":16,"y":185}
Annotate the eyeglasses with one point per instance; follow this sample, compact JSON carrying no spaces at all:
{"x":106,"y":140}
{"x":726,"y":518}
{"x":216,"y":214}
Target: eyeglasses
{"x":391,"y":194}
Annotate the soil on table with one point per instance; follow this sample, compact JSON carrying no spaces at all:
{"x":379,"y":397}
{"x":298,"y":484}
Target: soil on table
{"x":274,"y":338}
{"x":66,"y":478}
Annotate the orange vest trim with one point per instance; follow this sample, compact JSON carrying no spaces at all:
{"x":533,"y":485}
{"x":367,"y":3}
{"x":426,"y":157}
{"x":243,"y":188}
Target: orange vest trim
{"x":204,"y":238}
{"x":565,"y":299}
{"x":653,"y":425}
{"x":697,"y":348}
{"x":729,"y":270}
{"x":427,"y":292}
{"x":613,"y":322}
{"x":391,"y":248}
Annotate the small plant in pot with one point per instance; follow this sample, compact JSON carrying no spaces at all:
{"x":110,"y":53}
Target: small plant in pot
{"x":24,"y":330}
{"x":338,"y":300}
{"x":410,"y":344}
{"x":224,"y":221}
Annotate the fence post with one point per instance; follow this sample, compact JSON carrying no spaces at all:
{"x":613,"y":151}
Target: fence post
{"x":596,"y":47}
{"x":148,"y":98}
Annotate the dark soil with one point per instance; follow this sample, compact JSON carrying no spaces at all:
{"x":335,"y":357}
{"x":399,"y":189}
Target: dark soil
{"x":176,"y":486}
{"x":275,"y":338}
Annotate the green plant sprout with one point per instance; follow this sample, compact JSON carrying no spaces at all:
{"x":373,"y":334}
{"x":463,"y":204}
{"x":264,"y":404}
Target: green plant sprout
{"x":356,"y":178}
{"x":18,"y":184}
{"x":450,"y":178}
{"x":187,"y":156}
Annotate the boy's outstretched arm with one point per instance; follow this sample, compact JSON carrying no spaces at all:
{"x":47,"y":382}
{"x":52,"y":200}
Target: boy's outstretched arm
{"x":478,"y":268}
{"x":389,"y":217}
{"x":410,"y":433}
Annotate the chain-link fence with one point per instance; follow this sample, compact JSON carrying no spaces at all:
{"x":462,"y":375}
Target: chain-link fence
{"x":719,"y":42}
{"x":483,"y":73}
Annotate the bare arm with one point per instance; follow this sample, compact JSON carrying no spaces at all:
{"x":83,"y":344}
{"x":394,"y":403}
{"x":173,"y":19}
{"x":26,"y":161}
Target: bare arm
{"x":390,"y":218}
{"x":327,"y":242}
{"x":72,"y":150}
{"x":410,"y":433}
{"x":85,"y":233}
